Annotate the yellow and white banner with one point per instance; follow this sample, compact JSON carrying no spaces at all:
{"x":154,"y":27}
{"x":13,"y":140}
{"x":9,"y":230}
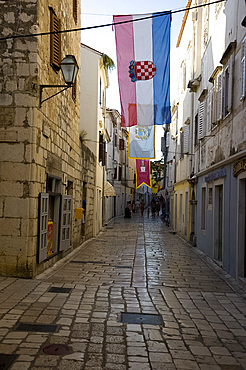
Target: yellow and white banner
{"x":141,"y":142}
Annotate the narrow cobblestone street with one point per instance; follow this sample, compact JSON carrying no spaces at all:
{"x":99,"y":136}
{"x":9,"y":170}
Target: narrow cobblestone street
{"x":191,"y":315}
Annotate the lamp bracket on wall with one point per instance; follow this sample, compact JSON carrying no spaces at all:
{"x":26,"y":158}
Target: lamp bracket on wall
{"x":65,"y":87}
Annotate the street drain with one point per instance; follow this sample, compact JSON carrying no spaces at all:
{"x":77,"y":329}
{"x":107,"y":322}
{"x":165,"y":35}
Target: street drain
{"x":55,"y":289}
{"x":57,"y":349}
{"x":6,"y":360}
{"x":123,"y":267}
{"x":141,"y":318}
{"x":36,"y":328}
{"x":95,"y":262}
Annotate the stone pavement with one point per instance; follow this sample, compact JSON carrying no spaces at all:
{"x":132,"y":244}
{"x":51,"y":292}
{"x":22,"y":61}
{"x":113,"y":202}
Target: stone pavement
{"x":186,"y":312}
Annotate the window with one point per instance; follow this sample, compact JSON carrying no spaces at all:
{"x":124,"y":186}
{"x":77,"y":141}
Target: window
{"x":100,"y":147}
{"x":115,"y":140}
{"x":196,"y":130}
{"x":121,"y":144}
{"x":75,"y":10}
{"x":186,"y":139}
{"x":55,"y":41}
{"x":227,"y":93}
{"x":181,"y":144}
{"x":202,"y":120}
{"x":115,"y":173}
{"x":120,"y":173}
{"x":203,"y":208}
{"x":243,"y":68}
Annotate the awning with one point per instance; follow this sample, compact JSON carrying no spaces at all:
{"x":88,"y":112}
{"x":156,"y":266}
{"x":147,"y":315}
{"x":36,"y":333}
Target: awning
{"x":109,"y":190}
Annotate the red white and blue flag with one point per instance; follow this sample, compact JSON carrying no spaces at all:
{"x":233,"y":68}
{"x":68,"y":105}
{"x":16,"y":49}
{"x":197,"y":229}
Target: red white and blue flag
{"x":143,"y":63}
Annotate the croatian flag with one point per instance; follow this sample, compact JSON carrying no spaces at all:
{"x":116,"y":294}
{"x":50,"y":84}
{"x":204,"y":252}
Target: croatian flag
{"x":143,"y":62}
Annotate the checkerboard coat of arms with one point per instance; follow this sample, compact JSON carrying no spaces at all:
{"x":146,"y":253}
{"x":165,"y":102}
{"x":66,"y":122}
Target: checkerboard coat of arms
{"x":141,"y":70}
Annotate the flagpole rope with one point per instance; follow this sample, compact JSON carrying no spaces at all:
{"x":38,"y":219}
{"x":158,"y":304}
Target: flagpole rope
{"x":158,"y":14}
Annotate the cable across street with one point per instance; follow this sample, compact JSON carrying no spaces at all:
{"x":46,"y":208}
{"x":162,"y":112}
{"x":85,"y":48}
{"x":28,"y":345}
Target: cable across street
{"x":158,"y":14}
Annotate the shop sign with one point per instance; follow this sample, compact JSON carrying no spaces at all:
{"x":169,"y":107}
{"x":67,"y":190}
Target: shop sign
{"x":239,"y":167}
{"x":216,"y":175}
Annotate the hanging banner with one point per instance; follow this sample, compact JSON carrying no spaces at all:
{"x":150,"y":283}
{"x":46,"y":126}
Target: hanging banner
{"x":142,"y":172}
{"x":141,"y":142}
{"x":143,"y":63}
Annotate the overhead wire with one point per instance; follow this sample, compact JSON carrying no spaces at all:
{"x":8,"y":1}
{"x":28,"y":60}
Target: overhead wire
{"x":155,"y":15}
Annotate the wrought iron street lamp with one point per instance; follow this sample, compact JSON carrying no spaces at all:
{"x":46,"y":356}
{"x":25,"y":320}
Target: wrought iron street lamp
{"x":69,"y":68}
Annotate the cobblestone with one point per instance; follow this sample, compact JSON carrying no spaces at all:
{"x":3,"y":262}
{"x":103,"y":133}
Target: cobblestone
{"x":203,"y":309}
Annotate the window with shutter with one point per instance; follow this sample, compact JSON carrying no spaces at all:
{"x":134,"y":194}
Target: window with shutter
{"x":74,"y":91}
{"x":227,"y":93}
{"x":168,"y":139}
{"x":75,"y":10}
{"x":100,"y":159}
{"x":186,"y":138}
{"x":115,"y":140}
{"x":219,"y":97}
{"x":121,"y":144}
{"x":55,"y":41}
{"x":201,"y":120}
{"x":209,"y":110}
{"x":243,"y":68}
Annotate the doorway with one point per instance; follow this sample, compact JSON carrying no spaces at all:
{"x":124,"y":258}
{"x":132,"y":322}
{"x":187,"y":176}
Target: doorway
{"x":219,"y":222}
{"x":242,"y":228}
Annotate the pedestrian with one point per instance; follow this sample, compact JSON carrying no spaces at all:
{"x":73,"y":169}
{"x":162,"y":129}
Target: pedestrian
{"x":127,"y":211}
{"x":137,"y":204}
{"x":153,"y":209}
{"x":158,"y":207}
{"x":142,"y":207}
{"x":148,"y":212}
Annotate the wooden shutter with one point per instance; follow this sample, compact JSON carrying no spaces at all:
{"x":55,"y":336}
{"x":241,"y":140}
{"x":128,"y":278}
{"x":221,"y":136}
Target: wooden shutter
{"x":230,"y":70}
{"x":209,"y":111}
{"x":219,"y":97}
{"x":43,"y":225}
{"x":115,"y":140}
{"x":201,"y":120}
{"x":100,"y":159}
{"x":55,"y":41}
{"x":121,"y":144}
{"x":65,"y":221}
{"x":168,"y":139}
{"x":186,"y":138}
{"x":74,"y":91}
{"x":243,"y":68}
{"x":75,"y":10}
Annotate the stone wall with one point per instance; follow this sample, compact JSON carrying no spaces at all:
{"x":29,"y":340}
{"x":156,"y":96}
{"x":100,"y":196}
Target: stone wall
{"x":35,"y":140}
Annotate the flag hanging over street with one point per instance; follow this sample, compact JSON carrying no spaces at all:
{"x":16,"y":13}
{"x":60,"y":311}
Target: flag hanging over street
{"x":141,"y":142}
{"x":143,"y":63}
{"x":142,"y":172}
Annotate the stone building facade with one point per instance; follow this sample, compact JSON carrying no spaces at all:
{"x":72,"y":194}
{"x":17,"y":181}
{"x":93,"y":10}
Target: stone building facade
{"x":43,"y":164}
{"x":206,"y":143}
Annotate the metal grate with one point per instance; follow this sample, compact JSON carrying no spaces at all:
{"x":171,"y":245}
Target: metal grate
{"x":57,"y":349}
{"x":141,"y":318}
{"x":46,"y":328}
{"x":95,"y":262}
{"x":6,"y":360}
{"x":123,"y":267}
{"x":56,"y":289}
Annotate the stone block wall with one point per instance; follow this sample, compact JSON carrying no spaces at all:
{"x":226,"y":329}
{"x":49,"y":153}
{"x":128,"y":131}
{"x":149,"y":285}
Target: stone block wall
{"x":36,"y":141}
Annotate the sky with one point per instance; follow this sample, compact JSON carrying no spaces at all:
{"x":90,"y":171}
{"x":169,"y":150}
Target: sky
{"x":103,"y":39}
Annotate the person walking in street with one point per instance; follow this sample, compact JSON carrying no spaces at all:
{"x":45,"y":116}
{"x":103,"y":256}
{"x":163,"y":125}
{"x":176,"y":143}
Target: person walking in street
{"x":142,"y":207}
